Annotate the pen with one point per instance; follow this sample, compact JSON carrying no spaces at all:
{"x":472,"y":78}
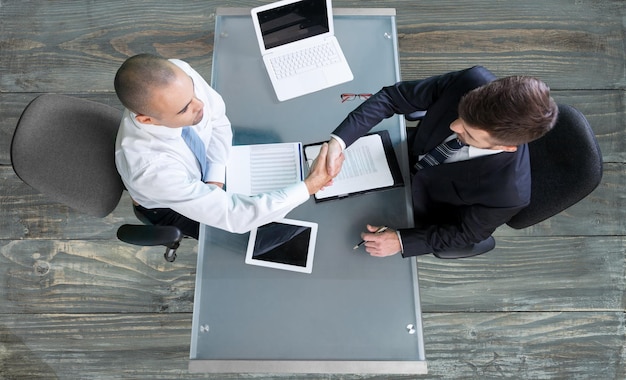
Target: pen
{"x":381,"y":229}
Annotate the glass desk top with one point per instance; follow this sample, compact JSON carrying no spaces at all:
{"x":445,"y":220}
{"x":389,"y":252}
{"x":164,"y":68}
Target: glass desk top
{"x":353,"y":313}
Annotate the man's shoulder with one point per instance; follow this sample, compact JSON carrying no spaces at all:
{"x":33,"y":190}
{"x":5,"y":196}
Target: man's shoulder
{"x":471,"y":78}
{"x":487,"y":171}
{"x":505,"y":161}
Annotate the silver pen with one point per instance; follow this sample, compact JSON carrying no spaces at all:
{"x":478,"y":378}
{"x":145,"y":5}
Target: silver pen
{"x":378,"y":231}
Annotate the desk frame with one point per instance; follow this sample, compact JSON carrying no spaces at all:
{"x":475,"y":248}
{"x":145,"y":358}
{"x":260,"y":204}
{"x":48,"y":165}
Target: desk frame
{"x":417,"y":365}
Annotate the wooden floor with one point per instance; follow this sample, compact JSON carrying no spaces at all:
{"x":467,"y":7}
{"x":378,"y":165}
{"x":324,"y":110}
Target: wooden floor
{"x":548,"y":303}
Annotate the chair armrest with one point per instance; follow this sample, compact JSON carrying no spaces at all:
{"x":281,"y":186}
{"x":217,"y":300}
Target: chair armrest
{"x":417,"y":115}
{"x":146,"y":235}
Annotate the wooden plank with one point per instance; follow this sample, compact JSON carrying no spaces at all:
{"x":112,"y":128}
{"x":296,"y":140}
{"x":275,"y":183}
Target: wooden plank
{"x":562,"y":41}
{"x":86,"y":42}
{"x":521,"y":274}
{"x":66,"y":346}
{"x":79,"y":276}
{"x":560,"y":345}
{"x":458,"y":346}
{"x":66,"y":39}
{"x":529,"y":274}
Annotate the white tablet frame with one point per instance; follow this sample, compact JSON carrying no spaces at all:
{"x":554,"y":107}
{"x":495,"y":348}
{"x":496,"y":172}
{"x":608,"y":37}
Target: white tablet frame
{"x":294,"y":268}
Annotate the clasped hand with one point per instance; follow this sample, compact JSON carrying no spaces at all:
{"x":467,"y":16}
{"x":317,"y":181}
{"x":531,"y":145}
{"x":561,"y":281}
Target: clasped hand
{"x":381,"y":244}
{"x":319,"y":176}
{"x":334,"y":158}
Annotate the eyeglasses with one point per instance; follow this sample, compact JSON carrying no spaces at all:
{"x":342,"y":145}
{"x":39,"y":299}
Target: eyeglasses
{"x":346,"y":97}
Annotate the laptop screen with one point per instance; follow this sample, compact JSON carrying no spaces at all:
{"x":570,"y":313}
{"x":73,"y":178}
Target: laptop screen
{"x":293,"y":22}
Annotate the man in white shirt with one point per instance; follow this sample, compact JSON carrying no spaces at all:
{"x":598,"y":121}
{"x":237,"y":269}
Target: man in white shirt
{"x":160,"y":171}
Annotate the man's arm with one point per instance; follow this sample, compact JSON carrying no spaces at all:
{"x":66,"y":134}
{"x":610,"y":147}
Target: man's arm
{"x":401,"y":98}
{"x":476,"y":223}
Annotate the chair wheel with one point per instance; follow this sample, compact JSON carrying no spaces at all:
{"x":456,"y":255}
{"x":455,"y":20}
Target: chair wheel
{"x":170,"y":256}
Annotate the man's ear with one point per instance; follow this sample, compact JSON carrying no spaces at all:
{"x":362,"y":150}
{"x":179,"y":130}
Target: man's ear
{"x":144,"y":119}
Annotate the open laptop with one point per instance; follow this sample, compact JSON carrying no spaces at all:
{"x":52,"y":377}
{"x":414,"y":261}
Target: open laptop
{"x":288,"y":29}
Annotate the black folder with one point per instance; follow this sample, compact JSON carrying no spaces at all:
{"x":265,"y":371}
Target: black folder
{"x":363,"y":186}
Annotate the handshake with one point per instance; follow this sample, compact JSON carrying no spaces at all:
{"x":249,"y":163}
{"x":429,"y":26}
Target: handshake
{"x":325,"y":167}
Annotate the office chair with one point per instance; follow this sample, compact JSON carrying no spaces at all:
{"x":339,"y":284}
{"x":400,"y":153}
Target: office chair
{"x":565,"y":167}
{"x":64,"y":147}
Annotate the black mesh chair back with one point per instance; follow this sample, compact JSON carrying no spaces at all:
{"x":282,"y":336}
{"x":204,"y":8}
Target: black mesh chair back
{"x":64,"y":147}
{"x":566,"y":166}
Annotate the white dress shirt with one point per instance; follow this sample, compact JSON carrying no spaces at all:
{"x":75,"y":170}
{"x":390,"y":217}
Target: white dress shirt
{"x":160,"y":171}
{"x":467,"y":152}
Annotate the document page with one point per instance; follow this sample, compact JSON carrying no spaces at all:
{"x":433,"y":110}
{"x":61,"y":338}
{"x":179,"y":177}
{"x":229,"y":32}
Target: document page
{"x":365,"y":168}
{"x":254,"y":169}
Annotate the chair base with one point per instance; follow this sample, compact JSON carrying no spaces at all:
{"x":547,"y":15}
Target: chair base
{"x":148,"y":235}
{"x":170,"y":253}
{"x":473,"y":250}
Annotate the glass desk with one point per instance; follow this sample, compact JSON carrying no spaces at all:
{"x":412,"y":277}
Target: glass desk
{"x":353,"y":313}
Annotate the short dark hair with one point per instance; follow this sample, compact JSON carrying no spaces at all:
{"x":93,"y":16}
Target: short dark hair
{"x":137,"y":75}
{"x":513,"y":110}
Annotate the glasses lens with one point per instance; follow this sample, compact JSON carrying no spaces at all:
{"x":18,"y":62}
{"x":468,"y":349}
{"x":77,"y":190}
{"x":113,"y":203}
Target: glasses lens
{"x":364,"y":96}
{"x":346,"y":97}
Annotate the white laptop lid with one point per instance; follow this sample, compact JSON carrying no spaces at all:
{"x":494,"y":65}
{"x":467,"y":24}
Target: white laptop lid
{"x":290,"y":21}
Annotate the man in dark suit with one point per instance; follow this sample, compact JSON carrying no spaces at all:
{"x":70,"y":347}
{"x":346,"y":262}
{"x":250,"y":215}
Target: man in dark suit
{"x":484,"y":177}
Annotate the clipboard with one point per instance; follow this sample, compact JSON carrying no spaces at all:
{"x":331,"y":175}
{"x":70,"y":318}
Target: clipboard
{"x":370,"y":165}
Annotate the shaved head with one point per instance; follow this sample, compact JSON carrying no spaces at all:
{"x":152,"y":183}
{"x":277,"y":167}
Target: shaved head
{"x":138,"y":77}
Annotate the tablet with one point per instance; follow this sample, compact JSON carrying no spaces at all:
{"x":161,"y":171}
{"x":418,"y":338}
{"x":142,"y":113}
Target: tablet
{"x":286,"y":244}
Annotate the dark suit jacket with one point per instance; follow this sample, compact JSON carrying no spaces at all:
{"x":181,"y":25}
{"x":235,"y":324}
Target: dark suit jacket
{"x":454,"y":204}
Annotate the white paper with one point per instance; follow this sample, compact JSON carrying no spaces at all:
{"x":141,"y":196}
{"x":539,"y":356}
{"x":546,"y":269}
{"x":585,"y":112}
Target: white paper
{"x":365,"y":168}
{"x":254,"y":169}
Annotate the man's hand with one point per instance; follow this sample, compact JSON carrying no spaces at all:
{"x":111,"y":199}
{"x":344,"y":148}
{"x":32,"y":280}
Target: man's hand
{"x":218,"y":184}
{"x":319,"y":177}
{"x":381,"y":244}
{"x":335,"y":157}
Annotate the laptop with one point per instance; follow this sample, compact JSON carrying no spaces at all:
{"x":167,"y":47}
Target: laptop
{"x":288,"y":31}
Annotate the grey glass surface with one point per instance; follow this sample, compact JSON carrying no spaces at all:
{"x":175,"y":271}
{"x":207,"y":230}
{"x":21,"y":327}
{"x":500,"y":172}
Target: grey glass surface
{"x":353,"y":313}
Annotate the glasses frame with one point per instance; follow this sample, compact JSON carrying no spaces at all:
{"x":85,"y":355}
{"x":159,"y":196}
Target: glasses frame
{"x":349,"y":97}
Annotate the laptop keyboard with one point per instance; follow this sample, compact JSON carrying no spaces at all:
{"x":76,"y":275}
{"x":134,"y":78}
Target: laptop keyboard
{"x":304,"y":60}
